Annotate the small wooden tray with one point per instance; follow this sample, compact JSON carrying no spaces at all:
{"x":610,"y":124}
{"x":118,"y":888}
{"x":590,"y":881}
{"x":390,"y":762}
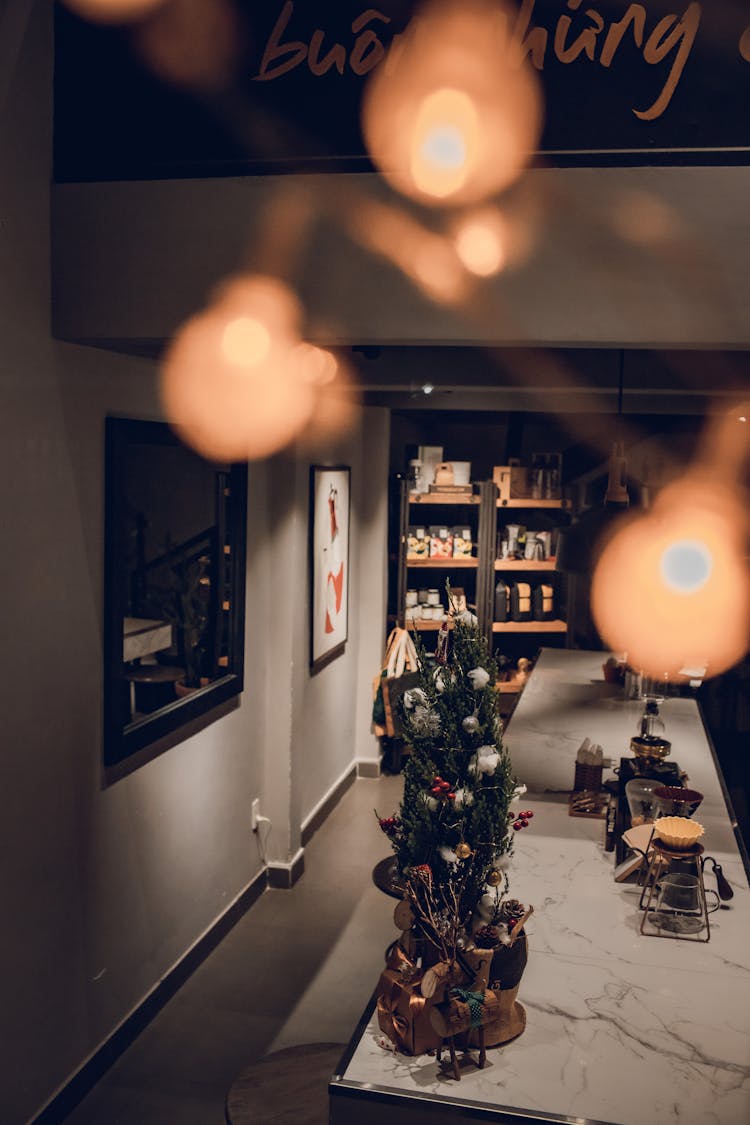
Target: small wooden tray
{"x":588,"y":804}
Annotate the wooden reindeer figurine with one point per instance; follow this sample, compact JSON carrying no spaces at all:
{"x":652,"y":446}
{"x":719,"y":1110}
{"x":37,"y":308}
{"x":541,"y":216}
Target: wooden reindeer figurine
{"x":455,"y":1009}
{"x":474,"y":1013}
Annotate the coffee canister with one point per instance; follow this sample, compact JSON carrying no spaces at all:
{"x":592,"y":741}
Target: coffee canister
{"x":426,"y":612}
{"x":411,"y":598}
{"x":433,"y":597}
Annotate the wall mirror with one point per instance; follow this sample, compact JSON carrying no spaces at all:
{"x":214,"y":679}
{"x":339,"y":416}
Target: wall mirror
{"x":174,"y":589}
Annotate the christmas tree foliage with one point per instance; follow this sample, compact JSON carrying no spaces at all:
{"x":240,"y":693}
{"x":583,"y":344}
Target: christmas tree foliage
{"x":455,"y":829}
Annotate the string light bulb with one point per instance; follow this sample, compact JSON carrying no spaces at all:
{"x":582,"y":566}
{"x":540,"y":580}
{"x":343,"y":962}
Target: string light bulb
{"x":232,"y":383}
{"x":454,"y":113}
{"x":671,"y":586}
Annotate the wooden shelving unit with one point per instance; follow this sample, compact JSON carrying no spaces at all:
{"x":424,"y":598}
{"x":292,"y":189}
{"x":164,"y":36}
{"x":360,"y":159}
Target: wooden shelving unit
{"x":529,"y":627}
{"x":428,"y":626}
{"x":528,"y":503}
{"x":442,"y":564}
{"x":454,"y":499}
{"x":486,"y":507}
{"x":525,"y":564}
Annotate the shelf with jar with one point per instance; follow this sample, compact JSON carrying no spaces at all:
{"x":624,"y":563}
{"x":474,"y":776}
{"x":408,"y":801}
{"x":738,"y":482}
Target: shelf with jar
{"x":444,"y":542}
{"x":528,"y":593}
{"x":480,"y":557}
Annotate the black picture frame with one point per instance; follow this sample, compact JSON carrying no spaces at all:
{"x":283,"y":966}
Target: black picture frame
{"x":330,"y":515}
{"x":155,"y":491}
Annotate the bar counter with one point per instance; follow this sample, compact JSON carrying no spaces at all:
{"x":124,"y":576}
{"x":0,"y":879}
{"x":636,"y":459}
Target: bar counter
{"x":621,"y":1028}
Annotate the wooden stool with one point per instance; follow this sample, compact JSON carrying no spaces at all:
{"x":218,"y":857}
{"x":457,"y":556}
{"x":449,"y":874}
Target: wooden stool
{"x":289,"y":1087}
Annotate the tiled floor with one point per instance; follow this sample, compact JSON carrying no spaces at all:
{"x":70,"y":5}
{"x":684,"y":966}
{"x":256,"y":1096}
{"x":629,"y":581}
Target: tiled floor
{"x":298,"y":968}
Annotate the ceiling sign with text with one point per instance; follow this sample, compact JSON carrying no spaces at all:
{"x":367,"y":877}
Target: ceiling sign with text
{"x":656,"y":81}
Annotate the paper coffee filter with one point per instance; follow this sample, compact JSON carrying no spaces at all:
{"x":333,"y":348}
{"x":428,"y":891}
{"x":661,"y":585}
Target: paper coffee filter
{"x":678,"y":831}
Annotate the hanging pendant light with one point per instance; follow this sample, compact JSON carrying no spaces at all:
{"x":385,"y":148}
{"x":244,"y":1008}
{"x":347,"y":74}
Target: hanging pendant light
{"x":455,"y":112}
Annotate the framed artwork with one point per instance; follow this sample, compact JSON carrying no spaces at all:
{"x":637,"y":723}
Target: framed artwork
{"x":329,"y":562}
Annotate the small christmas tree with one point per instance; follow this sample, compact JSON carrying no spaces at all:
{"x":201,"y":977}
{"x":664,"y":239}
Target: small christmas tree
{"x":455,"y":829}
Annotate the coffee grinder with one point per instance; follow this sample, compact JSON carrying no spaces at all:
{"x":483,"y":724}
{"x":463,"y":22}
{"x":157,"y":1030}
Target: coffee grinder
{"x":650,"y":749}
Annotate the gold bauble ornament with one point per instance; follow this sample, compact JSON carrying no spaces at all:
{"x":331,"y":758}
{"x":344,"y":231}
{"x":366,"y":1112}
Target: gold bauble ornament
{"x":494,"y":879}
{"x":463,"y":851}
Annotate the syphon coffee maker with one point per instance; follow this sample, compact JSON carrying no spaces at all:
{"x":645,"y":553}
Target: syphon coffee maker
{"x":649,"y":749}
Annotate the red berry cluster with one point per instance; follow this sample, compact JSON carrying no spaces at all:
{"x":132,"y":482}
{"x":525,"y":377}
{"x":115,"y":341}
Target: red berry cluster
{"x":423,"y":871}
{"x":443,"y":790}
{"x":523,"y":820}
{"x":389,"y":824}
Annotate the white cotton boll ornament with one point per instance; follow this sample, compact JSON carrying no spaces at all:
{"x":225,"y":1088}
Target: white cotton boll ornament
{"x":448,"y":855}
{"x":518,"y":793}
{"x":487,"y":759}
{"x":478,"y":678}
{"x":463,"y":799}
{"x":468,"y":618}
{"x":504,"y":933}
{"x":414,"y":697}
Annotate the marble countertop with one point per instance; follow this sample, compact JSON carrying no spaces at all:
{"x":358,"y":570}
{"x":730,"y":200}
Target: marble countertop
{"x":621,"y":1027}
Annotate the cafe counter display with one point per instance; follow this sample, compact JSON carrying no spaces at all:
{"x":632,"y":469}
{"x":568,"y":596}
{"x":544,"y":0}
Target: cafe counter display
{"x":620,"y":1027}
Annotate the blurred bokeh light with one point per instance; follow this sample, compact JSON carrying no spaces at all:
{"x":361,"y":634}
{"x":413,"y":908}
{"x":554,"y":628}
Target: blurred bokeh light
{"x":480,"y":240}
{"x":671,"y":586}
{"x":455,"y":113}
{"x":231,"y":385}
{"x":190,"y":43}
{"x":112,"y":11}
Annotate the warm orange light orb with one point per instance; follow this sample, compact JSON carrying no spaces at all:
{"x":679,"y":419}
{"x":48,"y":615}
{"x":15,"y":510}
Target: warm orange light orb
{"x":315,"y":365}
{"x":671,"y":587}
{"x":246,"y":341}
{"x":454,"y":113}
{"x":337,"y":405}
{"x":445,"y":143}
{"x":480,"y":243}
{"x":190,"y":43}
{"x":112,"y":11}
{"x":230,"y":385}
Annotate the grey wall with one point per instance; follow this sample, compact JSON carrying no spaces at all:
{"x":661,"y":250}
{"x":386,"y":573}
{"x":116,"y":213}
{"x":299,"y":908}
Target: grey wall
{"x":651,"y":257}
{"x":104,"y":888}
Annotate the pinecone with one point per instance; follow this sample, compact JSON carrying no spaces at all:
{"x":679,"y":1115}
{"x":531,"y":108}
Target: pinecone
{"x":512,"y":911}
{"x":487,"y":937}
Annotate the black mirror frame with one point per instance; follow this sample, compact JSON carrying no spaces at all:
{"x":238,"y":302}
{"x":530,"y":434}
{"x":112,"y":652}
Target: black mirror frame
{"x":121,"y":741}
